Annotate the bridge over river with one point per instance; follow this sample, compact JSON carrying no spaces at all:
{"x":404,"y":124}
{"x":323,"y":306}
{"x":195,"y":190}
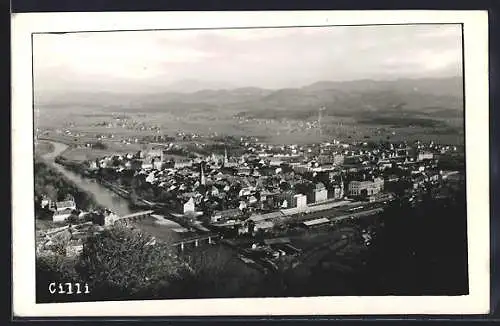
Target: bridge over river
{"x":108,"y":198}
{"x":182,"y":243}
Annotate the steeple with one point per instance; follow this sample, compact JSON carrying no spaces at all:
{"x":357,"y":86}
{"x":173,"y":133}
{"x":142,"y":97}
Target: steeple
{"x":341,"y":186}
{"x":225,"y":156}
{"x":202,"y":178}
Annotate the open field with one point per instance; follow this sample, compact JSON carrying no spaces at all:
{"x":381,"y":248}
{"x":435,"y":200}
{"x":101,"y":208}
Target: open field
{"x":424,"y":109}
{"x":273,"y":131}
{"x":112,"y":148}
{"x":43,"y":147}
{"x":86,"y":154}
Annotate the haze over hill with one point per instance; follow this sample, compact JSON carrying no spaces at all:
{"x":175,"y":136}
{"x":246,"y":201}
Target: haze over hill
{"x":439,"y":97}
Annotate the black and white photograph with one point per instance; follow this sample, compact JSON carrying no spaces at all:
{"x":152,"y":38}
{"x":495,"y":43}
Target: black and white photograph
{"x":250,"y":162}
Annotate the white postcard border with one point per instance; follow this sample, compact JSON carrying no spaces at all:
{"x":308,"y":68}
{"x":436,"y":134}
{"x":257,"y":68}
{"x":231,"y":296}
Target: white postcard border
{"x":477,"y":162}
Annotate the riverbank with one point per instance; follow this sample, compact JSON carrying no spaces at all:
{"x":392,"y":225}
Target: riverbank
{"x":108,"y":195}
{"x":52,"y":183}
{"x":80,"y":169}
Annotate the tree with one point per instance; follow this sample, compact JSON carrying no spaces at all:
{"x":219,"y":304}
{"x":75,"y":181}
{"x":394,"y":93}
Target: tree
{"x":190,"y":217}
{"x":99,"y":145}
{"x":60,"y":242}
{"x":251,"y":226}
{"x":284,"y":186}
{"x":364,"y":194}
{"x":51,"y":191}
{"x":304,"y":188}
{"x":73,"y":218}
{"x":421,"y":249}
{"x":208,"y":273}
{"x":54,"y":268}
{"x":279,"y":282}
{"x":121,"y":263}
{"x":260,"y":235}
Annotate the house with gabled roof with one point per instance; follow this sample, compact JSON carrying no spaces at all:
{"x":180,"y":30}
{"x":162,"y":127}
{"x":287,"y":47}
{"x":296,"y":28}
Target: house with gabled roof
{"x":64,"y":205}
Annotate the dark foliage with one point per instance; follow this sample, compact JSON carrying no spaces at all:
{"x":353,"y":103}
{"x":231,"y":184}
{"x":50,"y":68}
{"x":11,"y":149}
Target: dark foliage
{"x":53,"y":184}
{"x":422,"y":250}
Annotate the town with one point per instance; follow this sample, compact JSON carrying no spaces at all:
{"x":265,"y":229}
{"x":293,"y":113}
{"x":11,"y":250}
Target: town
{"x":253,"y":196}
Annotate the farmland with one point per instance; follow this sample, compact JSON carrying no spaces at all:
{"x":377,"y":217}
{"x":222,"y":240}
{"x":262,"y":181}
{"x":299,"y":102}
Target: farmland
{"x":271,"y":131}
{"x":427,"y":109}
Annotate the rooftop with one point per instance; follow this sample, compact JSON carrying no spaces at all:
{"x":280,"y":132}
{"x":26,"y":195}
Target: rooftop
{"x":276,"y":241}
{"x":316,"y":221}
{"x":66,"y":203}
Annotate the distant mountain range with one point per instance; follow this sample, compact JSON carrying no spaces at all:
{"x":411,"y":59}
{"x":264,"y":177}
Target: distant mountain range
{"x":438,"y":97}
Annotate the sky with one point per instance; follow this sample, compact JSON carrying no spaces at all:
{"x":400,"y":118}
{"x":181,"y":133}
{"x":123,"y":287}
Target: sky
{"x":144,"y":61}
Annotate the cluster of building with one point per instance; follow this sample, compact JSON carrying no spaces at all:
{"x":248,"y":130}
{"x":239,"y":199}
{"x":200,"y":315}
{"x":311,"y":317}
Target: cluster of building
{"x":284,"y":180}
{"x":126,"y":123}
{"x":67,"y":236}
{"x":67,"y":211}
{"x":63,"y":241}
{"x":61,"y":210}
{"x":262,"y":188}
{"x":68,"y":239}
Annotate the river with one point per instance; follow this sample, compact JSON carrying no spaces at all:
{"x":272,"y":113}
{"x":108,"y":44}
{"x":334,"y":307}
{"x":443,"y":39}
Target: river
{"x":103,"y":195}
{"x":109,"y":199}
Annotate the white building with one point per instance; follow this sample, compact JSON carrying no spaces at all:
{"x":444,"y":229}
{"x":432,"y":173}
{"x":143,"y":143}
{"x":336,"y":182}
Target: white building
{"x":189,"y":206}
{"x":157,"y":165}
{"x":300,"y":200}
{"x":110,"y":219}
{"x":151,"y":177}
{"x":424,"y":156}
{"x":338,"y":159}
{"x":65,"y":205}
{"x":46,"y":202}
{"x":182,"y":164}
{"x":338,"y":191}
{"x":302,"y":168}
{"x":368,"y":187}
{"x":320,"y":193}
{"x":61,"y":215}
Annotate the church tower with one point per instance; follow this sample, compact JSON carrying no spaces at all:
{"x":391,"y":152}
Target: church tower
{"x":202,"y":175}
{"x":226,"y":161}
{"x":341,"y":187}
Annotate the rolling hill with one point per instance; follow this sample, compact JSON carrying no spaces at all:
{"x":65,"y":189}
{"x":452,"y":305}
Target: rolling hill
{"x":360,"y":100}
